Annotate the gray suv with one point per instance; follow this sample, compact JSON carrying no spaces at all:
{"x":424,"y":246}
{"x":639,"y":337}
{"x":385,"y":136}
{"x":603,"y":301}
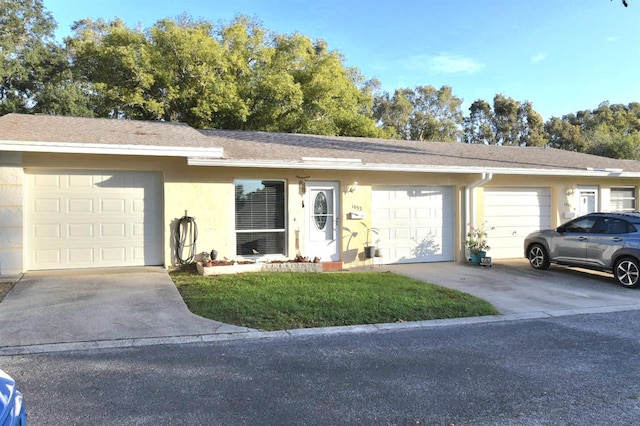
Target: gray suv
{"x":601,"y":241}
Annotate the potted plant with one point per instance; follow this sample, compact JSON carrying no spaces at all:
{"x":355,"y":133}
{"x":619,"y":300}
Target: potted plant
{"x":476,"y":243}
{"x":369,"y":249}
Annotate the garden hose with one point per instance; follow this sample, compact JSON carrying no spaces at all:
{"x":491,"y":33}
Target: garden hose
{"x":186,"y":234}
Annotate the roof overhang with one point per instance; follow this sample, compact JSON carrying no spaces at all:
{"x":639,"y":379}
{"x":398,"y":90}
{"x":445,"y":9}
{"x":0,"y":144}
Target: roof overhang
{"x":112,"y":149}
{"x":351,"y":165}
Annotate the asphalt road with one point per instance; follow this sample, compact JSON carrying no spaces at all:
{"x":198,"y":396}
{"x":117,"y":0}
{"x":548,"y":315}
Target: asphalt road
{"x":573,"y":370}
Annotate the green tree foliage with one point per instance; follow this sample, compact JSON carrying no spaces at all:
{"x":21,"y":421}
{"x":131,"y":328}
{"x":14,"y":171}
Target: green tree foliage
{"x":241,"y":76}
{"x":394,"y":112}
{"x":530,"y":126}
{"x":479,"y":126}
{"x":29,"y":56}
{"x":425,"y":113}
{"x":237,"y":76}
{"x":564,"y":135}
{"x":610,"y":130}
{"x":509,"y":123}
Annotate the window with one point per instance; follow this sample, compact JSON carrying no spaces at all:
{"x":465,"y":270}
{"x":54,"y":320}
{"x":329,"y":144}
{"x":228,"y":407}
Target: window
{"x":623,"y":199}
{"x":260,"y":217}
{"x":580,"y":225}
{"x":609,"y":225}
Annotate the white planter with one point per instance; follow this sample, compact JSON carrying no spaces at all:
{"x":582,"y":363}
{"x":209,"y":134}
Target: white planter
{"x":238,"y":268}
{"x":292,"y":267}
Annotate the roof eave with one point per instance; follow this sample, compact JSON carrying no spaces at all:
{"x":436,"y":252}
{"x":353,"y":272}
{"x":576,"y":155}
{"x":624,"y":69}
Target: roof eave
{"x":112,"y":149}
{"x":406,"y":168}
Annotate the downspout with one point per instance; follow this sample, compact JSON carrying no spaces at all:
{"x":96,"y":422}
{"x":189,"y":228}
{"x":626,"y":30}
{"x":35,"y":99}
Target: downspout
{"x":469,"y":217}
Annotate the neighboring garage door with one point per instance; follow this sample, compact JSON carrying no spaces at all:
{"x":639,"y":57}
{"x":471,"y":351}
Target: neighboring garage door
{"x":82,"y":219}
{"x":511,"y":214}
{"x":415,"y":223}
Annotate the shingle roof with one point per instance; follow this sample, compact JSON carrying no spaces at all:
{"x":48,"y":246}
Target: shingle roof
{"x":248,"y":145}
{"x":255,"y":147}
{"x":52,"y":128}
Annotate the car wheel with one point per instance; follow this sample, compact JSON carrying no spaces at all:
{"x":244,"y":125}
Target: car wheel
{"x":538,"y":257}
{"x":627,"y":272}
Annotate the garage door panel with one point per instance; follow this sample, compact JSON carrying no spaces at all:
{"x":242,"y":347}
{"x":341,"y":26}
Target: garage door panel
{"x":46,"y":205}
{"x":116,"y":254}
{"x":113,"y":205}
{"x":81,"y":255}
{"x":511,"y":214}
{"x":80,"y":230}
{"x":528,"y":210}
{"x":418,"y":221}
{"x":94,"y":219}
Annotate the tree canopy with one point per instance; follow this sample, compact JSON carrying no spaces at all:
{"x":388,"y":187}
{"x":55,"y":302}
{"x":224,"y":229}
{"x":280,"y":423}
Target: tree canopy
{"x":235,"y":76}
{"x":240,"y":75}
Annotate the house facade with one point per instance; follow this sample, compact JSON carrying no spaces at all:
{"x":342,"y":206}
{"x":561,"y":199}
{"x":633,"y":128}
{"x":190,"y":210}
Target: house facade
{"x":84,"y":193}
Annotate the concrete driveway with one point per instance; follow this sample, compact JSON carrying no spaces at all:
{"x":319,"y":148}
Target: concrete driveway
{"x":98,"y":304}
{"x":111,"y":307}
{"x":514,"y":287}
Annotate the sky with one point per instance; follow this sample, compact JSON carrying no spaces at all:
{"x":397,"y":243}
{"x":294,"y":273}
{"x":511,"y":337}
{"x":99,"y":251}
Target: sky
{"x":563,"y":56}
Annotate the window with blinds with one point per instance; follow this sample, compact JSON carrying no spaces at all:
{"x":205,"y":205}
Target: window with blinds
{"x":623,"y":199}
{"x":260,"y":217}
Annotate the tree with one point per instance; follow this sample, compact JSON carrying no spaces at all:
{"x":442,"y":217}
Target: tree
{"x":424,"y":113}
{"x":29,"y":55}
{"x":394,"y":112}
{"x":437,"y":115}
{"x":113,"y":63}
{"x":194,"y":79}
{"x":62,"y":94}
{"x":530,"y":126}
{"x":264,"y":83}
{"x":610,"y":130}
{"x":562,"y":134}
{"x":479,"y":125}
{"x":237,"y":76}
{"x":505,"y":118}
{"x":509,"y":123}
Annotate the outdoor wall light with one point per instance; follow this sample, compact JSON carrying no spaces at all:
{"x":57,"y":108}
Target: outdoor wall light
{"x":353,"y":187}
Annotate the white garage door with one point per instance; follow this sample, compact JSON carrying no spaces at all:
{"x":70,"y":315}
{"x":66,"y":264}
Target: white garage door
{"x":415,"y":223}
{"x":81,"y":219}
{"x":511,"y":214}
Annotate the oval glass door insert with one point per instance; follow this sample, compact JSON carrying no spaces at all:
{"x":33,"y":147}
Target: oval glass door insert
{"x":320,"y":210}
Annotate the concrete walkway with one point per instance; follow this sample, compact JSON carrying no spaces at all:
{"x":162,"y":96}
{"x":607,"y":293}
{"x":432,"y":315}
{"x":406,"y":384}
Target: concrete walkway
{"x":55,"y":307}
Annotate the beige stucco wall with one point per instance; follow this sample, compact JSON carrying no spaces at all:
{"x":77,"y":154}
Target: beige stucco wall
{"x":207,"y":194}
{"x":11,"y":213}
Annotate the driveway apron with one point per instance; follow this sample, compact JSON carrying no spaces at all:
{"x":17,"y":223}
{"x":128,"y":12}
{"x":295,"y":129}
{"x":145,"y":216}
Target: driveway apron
{"x":98,"y":304}
{"x":514,"y":287}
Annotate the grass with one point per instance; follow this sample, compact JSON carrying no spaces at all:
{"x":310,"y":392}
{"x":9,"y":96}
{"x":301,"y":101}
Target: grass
{"x":278,"y":301}
{"x":4,"y":289}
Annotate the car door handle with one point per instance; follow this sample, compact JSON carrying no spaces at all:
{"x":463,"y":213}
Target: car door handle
{"x":583,"y":238}
{"x":617,"y":239}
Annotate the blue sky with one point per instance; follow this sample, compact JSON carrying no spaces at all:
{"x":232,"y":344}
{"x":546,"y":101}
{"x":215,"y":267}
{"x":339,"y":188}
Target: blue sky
{"x":561,"y":55}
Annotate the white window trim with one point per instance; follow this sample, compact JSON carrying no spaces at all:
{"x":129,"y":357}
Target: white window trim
{"x":270,"y":256}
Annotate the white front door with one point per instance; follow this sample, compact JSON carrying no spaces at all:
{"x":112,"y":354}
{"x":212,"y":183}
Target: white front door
{"x":322,"y":221}
{"x":588,"y":200}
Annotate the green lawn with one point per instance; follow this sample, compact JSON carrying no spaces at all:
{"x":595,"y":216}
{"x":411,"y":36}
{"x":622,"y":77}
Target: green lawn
{"x":278,"y":301}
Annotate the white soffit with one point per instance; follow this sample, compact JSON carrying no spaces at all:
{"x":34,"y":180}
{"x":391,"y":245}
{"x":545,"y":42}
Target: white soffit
{"x":114,"y":149}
